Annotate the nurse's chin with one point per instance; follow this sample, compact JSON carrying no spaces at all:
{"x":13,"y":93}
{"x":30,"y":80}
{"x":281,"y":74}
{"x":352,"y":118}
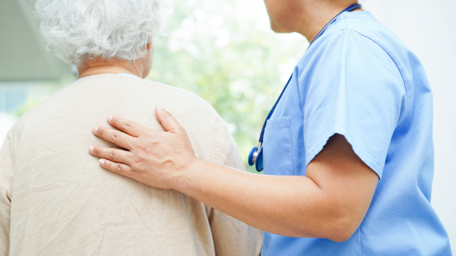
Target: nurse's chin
{"x":278,"y":29}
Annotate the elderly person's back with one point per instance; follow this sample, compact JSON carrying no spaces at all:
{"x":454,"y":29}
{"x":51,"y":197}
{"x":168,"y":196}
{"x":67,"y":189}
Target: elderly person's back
{"x":55,"y":199}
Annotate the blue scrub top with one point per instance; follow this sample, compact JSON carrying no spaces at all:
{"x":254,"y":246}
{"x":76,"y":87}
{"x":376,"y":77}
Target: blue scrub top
{"x":360,"y":80}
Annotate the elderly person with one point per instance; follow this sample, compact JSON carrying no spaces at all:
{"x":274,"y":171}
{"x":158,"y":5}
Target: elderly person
{"x":55,"y":199}
{"x":347,"y":149}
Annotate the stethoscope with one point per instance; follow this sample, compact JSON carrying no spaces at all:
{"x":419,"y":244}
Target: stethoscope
{"x":256,"y":155}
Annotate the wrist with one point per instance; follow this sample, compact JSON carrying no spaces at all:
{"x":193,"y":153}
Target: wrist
{"x":185,"y":178}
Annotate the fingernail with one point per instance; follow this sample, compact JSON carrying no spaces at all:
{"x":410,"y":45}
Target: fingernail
{"x":109,"y":119}
{"x":91,"y":149}
{"x":95,"y":129}
{"x":159,"y":107}
{"x":101,"y":161}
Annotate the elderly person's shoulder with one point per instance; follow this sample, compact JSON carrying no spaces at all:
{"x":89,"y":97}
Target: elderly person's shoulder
{"x":143,"y":92}
{"x":102,"y":44}
{"x":129,"y":96}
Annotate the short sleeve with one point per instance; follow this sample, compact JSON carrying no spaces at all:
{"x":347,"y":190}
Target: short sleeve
{"x":356,"y":90}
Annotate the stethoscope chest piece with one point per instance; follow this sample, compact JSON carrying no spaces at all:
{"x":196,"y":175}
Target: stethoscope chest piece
{"x":256,"y":158}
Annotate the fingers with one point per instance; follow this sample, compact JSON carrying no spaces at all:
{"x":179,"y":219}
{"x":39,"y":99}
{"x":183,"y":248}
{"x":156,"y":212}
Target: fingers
{"x":118,"y":168}
{"x":115,"y":155}
{"x":167,"y":120}
{"x":127,"y":126}
{"x":119,"y":138}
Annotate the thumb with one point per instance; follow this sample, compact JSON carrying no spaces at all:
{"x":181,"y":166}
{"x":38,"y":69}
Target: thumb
{"x":167,"y":120}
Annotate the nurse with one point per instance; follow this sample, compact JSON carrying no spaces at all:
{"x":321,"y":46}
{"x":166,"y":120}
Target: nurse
{"x":347,"y":152}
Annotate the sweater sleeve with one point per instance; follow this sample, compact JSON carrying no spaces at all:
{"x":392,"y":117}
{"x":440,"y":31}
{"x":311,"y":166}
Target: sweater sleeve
{"x":6,"y":176}
{"x":231,"y":236}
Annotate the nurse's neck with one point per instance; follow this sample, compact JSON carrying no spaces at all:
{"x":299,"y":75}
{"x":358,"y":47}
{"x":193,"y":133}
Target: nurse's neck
{"x":316,"y":14}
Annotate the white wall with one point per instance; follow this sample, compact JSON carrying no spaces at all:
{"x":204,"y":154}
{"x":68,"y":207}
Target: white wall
{"x":428,"y":27}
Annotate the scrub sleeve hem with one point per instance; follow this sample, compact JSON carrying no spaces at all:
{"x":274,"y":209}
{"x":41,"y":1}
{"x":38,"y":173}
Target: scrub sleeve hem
{"x":365,"y":157}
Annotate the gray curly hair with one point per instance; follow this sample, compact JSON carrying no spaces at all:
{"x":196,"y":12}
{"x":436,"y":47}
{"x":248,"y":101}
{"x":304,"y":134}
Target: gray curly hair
{"x":78,"y":30}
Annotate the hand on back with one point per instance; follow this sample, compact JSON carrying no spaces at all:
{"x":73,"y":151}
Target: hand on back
{"x":155,"y":158}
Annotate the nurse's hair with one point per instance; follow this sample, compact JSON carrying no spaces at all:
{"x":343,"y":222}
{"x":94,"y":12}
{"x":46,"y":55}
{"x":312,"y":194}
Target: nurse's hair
{"x":78,"y":30}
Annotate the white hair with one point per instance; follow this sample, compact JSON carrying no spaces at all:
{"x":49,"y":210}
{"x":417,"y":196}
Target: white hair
{"x":78,"y":30}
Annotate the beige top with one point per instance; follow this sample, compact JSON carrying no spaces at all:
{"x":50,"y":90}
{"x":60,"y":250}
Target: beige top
{"x":55,"y":199}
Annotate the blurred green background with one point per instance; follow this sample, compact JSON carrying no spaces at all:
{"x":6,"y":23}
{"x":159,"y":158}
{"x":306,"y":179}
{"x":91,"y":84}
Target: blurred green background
{"x":224,"y":51}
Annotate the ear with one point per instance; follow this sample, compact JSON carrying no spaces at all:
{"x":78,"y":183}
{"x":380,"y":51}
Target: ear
{"x":149,"y":45}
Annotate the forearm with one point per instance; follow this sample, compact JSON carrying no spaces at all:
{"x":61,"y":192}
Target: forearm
{"x":288,"y":206}
{"x":329,"y":202}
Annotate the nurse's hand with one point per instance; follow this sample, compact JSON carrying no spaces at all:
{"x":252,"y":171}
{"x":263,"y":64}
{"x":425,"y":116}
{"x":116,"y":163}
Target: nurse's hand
{"x":155,"y":158}
{"x":338,"y":186}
